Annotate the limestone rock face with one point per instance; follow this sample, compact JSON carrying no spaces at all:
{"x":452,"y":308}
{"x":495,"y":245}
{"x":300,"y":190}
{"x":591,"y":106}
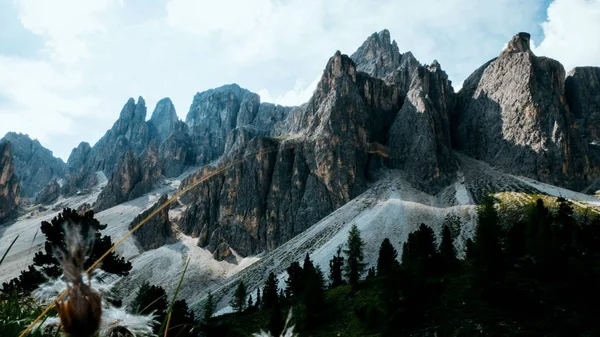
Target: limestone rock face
{"x":582,"y":87}
{"x":49,"y":194}
{"x":78,"y":157}
{"x":176,"y":152}
{"x":513,"y":114}
{"x":212,"y":115}
{"x":9,"y":185}
{"x":285,"y":184}
{"x":382,"y":59}
{"x":163,"y":120}
{"x":419,"y":139}
{"x":121,"y":183}
{"x":158,"y":230}
{"x":79,"y":174}
{"x":215,"y":113}
{"x":134,"y":177}
{"x":34,"y":164}
{"x":129,"y":133}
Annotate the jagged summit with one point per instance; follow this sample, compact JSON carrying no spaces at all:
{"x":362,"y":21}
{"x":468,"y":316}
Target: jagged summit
{"x":163,"y":120}
{"x":35,"y":165}
{"x":519,"y":43}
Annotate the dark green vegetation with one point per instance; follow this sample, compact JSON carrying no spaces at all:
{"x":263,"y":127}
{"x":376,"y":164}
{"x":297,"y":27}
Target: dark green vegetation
{"x":153,"y":300}
{"x":538,"y":276}
{"x":45,"y":265}
{"x":17,"y":308}
{"x":535,"y":273}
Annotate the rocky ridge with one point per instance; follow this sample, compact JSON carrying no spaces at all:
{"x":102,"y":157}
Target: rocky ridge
{"x":35,"y":165}
{"x":9,"y":185}
{"x":520,"y":113}
{"x":513,"y":114}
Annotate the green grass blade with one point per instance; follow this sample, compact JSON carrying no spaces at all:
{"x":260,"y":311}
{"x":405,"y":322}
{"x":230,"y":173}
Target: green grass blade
{"x":8,"y":250}
{"x":165,"y":324}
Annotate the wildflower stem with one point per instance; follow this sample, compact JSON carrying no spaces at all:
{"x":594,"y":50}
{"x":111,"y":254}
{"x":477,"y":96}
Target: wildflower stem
{"x":168,"y":318}
{"x":9,"y":247}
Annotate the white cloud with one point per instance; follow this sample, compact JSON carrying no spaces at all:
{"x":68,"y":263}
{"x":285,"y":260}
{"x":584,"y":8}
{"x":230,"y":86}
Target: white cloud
{"x":99,"y":53}
{"x":572,"y":32}
{"x":301,"y":93}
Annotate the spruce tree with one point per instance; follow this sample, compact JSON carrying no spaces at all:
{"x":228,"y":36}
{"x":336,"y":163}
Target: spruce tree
{"x":182,"y":322}
{"x":150,"y":299}
{"x":447,"y":250}
{"x":258,"y":302}
{"x":336,"y":264}
{"x":89,"y":228}
{"x":488,"y":252}
{"x":270,"y":293}
{"x":295,"y":280}
{"x":355,"y":266}
{"x":386,"y":261}
{"x":238,"y":301}
{"x":250,"y":304}
{"x":276,"y":321}
{"x":314,"y":297}
{"x":209,"y":307}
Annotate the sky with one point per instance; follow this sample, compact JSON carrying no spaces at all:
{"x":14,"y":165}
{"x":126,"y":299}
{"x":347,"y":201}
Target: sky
{"x":67,"y":67}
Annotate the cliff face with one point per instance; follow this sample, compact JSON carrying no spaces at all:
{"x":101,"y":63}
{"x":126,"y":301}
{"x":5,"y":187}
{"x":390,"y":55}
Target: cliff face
{"x":215,"y":113}
{"x":378,"y":57}
{"x":134,"y":177}
{"x":419,"y":139}
{"x":513,"y":114}
{"x":35,"y":165}
{"x":49,"y":194}
{"x":286,"y":184}
{"x":129,"y":133}
{"x":9,"y":185}
{"x":158,"y":230}
{"x":582,"y":86}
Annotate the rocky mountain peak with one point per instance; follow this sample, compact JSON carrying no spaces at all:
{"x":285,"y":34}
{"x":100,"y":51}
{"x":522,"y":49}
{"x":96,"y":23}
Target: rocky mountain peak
{"x":378,"y":56}
{"x":513,"y":114}
{"x":339,"y":66}
{"x":36,"y":166}
{"x":78,"y":156}
{"x":519,"y":43}
{"x":163,"y":119}
{"x":132,"y":111}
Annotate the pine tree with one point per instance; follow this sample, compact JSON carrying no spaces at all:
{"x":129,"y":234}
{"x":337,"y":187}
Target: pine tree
{"x":295,"y":280}
{"x":89,"y":228}
{"x":182,"y":322}
{"x":447,"y":250}
{"x":419,"y":252}
{"x":386,"y":261}
{"x":355,"y":266}
{"x":270,"y":293}
{"x":314,"y":297}
{"x":238,"y":301}
{"x":276,"y":321}
{"x":371,"y":273}
{"x":150,"y":299}
{"x":250,"y":304}
{"x":209,"y":308}
{"x":336,"y":264}
{"x":488,"y":252}
{"x":258,"y":303}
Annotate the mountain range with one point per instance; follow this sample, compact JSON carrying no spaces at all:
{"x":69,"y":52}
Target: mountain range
{"x":384,"y":142}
